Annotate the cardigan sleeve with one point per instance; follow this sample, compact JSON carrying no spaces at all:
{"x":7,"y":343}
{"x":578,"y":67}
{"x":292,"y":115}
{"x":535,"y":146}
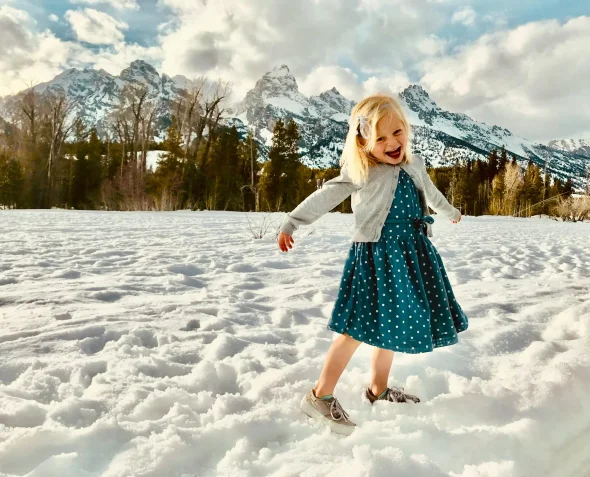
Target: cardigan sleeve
{"x":435,"y":197}
{"x":320,"y":202}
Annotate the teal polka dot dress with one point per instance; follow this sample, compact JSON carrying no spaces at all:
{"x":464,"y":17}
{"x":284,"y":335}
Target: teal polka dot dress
{"x":395,"y":293}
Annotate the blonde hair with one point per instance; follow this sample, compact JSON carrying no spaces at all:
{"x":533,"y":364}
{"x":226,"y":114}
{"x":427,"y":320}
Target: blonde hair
{"x":357,"y":157}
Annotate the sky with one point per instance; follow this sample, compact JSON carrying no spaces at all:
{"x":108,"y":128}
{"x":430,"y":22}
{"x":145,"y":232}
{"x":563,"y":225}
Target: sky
{"x":522,"y":66}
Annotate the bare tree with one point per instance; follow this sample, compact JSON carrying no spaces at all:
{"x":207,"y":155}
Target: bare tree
{"x":121,"y":129}
{"x":513,"y":180}
{"x":30,"y":107}
{"x":146,"y":131}
{"x":212,"y":113}
{"x":188,"y":109}
{"x":134,"y":98}
{"x":60,"y":125}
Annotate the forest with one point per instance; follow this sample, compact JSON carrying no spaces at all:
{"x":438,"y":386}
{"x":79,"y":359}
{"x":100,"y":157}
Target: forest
{"x":51,"y":158}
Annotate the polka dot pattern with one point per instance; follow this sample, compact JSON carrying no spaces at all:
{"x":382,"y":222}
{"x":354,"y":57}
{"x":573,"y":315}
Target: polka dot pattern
{"x":395,"y":293}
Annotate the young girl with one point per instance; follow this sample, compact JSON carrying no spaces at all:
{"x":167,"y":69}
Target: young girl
{"x":394,"y":292}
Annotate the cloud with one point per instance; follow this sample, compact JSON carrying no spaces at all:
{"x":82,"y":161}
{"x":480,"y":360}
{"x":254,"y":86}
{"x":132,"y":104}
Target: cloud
{"x":53,"y":18}
{"x":532,"y":79}
{"x":98,"y":28}
{"x":27,"y":56}
{"x":117,"y":58}
{"x":118,"y":4}
{"x":466,"y":16}
{"x":324,"y":78}
{"x":394,"y":83}
{"x":240,"y":41}
{"x":522,"y":78}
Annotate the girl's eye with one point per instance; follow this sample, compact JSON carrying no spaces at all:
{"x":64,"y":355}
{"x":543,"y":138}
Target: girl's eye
{"x":379,"y":139}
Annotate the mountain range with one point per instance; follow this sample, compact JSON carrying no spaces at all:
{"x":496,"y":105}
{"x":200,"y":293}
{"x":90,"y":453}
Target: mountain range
{"x":439,"y":136}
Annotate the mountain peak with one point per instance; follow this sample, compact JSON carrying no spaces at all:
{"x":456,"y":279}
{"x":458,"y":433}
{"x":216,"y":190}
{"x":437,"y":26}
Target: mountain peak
{"x":417,"y":99}
{"x":142,"y":65}
{"x":281,"y":70}
{"x":277,"y":82}
{"x":140,"y":70}
{"x":576,"y":146}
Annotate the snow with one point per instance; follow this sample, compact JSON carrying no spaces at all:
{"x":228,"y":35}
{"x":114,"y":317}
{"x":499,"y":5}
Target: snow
{"x":152,"y":159}
{"x":286,"y":103}
{"x":343,"y":118}
{"x":266,"y":135}
{"x":175,"y":344}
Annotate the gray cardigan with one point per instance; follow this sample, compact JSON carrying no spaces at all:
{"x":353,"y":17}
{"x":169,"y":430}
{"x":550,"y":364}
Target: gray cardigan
{"x":370,"y":203}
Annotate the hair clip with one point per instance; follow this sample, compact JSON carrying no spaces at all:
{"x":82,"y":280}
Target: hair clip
{"x":362,"y":126}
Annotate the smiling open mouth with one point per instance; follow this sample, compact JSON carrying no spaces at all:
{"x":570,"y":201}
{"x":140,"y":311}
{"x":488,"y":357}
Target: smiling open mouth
{"x":395,"y":153}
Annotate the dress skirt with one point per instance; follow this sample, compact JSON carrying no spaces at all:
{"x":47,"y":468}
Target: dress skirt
{"x":395,"y":293}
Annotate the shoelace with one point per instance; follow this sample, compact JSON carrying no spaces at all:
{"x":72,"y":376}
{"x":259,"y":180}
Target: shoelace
{"x":335,"y":407}
{"x":397,"y":394}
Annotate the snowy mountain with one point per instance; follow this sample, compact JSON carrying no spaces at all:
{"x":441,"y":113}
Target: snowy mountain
{"x":96,"y":93}
{"x":322,"y":119}
{"x":439,"y":136}
{"x":577,"y":146}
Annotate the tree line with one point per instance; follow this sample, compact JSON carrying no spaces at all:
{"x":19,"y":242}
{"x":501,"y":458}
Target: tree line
{"x":501,"y":186}
{"x":50,"y":158}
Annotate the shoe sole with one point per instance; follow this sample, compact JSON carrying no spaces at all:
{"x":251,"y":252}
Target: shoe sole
{"x":312,"y":412}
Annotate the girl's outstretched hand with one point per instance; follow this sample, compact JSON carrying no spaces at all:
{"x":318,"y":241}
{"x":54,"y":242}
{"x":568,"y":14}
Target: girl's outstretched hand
{"x":458,"y":220}
{"x":285,"y":241}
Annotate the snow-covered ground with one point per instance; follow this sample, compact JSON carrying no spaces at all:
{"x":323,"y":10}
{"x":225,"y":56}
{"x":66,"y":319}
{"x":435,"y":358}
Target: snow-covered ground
{"x":174,"y":344}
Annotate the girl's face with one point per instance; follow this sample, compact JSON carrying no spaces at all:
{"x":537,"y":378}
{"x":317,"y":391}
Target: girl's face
{"x":390,"y":145}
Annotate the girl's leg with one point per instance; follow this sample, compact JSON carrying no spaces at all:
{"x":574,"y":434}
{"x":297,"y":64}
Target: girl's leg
{"x":380,"y":367}
{"x":337,"y":358}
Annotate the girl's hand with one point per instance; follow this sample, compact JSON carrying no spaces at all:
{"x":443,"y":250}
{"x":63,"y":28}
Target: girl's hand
{"x":285,"y":241}
{"x":458,"y":220}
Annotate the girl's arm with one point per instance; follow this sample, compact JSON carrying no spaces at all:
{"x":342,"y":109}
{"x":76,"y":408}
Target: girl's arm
{"x":319,"y":202}
{"x":435,"y":197}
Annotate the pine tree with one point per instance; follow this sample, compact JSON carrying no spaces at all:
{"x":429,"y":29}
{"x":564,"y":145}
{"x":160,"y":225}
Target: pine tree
{"x":165,"y":184}
{"x":503,"y":157}
{"x":289,"y":179}
{"x":493,"y":164}
{"x":503,"y":160}
{"x":225,"y":173}
{"x":532,"y":189}
{"x":568,"y":188}
{"x":11,"y":182}
{"x":270,"y":181}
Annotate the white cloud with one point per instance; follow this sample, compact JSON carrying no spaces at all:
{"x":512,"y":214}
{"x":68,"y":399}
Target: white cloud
{"x":532,"y":79}
{"x":27,"y":56}
{"x":116,"y":59}
{"x":118,"y":4}
{"x":324,"y":78}
{"x":53,"y":18}
{"x":466,"y":16}
{"x":240,"y":41}
{"x":394,"y":83}
{"x":96,"y":27}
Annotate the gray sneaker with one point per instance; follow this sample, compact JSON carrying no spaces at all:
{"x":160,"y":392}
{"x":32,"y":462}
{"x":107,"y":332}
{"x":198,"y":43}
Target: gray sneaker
{"x":394,"y":394}
{"x":328,"y":412}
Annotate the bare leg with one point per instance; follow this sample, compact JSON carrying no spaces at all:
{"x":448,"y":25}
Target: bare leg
{"x":380,"y":367}
{"x":337,"y":358}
